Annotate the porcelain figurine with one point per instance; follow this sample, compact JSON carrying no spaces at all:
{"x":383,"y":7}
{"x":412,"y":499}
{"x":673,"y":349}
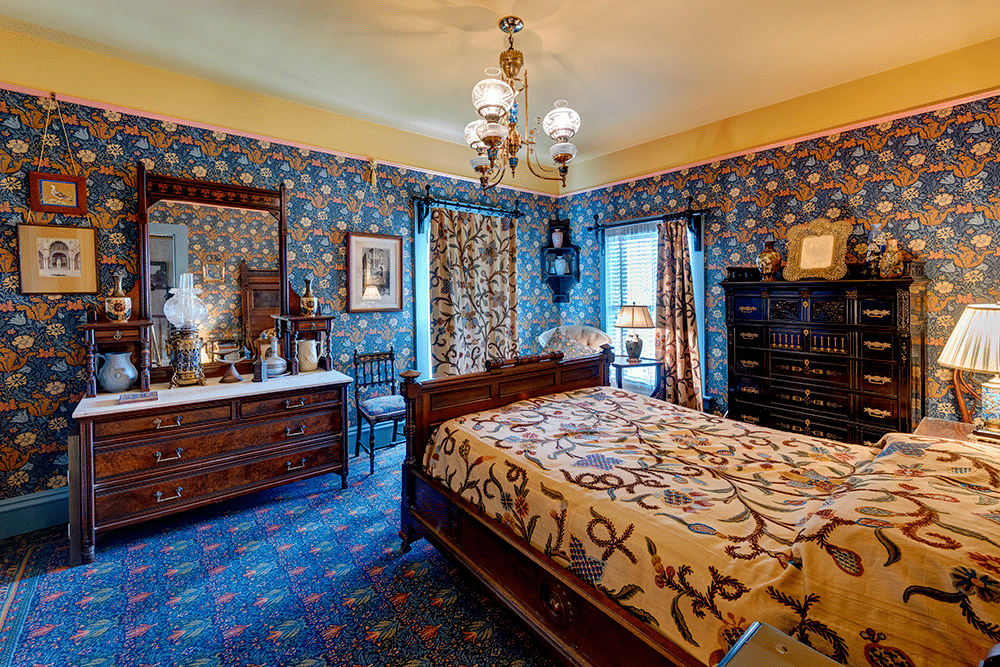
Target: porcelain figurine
{"x":118,"y":307}
{"x":115,"y":372}
{"x":308,"y":355}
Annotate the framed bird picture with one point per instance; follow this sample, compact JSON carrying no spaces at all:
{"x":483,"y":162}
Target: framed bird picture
{"x":57,"y":193}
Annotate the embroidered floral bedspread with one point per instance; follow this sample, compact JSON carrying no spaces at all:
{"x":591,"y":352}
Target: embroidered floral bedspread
{"x":700,"y":526}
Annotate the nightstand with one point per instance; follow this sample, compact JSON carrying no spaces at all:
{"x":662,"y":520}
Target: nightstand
{"x":621,"y":363}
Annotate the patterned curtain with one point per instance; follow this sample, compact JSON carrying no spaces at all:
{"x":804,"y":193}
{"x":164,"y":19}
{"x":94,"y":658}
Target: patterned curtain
{"x":676,"y":325}
{"x":473,"y":282}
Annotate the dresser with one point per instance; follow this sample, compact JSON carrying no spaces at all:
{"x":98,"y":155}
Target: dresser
{"x":838,"y":359}
{"x":198,"y":445}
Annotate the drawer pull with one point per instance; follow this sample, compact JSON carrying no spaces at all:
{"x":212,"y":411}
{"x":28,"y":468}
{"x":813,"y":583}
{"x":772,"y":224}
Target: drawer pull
{"x":875,"y":412}
{"x":312,"y":325}
{"x":879,"y":314}
{"x":751,"y":390}
{"x":749,"y":363}
{"x":176,"y":456}
{"x":289,"y":406}
{"x":750,"y":419}
{"x":877,"y":345}
{"x":748,"y":309}
{"x":878,"y":379}
{"x":160,"y":425}
{"x":749,"y":335}
{"x":118,"y":335}
{"x":289,"y":433}
{"x":161,"y":499}
{"x":289,"y":466}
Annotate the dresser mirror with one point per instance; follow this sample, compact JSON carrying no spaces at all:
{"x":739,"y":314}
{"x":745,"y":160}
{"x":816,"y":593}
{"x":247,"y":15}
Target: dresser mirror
{"x":209,"y":230}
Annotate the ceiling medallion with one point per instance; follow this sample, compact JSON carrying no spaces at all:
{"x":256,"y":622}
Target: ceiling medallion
{"x":495,"y":137}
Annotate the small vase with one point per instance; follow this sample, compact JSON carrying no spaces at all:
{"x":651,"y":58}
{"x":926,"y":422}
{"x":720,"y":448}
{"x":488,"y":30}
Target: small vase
{"x":890,"y":264}
{"x":308,"y":355}
{"x":274,"y":363}
{"x":118,"y":307}
{"x":308,"y":303}
{"x":559,"y":266}
{"x":768,"y":261}
{"x":876,"y":246}
{"x":557,"y":239}
{"x":116,"y":372}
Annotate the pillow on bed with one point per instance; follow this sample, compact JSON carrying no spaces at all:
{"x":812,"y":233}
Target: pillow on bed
{"x":571,"y":349}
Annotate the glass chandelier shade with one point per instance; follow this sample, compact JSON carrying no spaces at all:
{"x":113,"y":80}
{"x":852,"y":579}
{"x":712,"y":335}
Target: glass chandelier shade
{"x":561,"y":123}
{"x":562,"y":153}
{"x":492,"y":99}
{"x":473,"y":137}
{"x":185,"y":309}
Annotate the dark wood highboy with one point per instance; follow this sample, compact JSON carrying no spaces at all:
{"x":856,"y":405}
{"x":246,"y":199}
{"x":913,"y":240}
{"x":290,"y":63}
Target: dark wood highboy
{"x":839,"y":359}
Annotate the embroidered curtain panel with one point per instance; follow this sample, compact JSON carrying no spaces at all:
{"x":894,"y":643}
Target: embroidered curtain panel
{"x":676,"y":325}
{"x":473,"y":291}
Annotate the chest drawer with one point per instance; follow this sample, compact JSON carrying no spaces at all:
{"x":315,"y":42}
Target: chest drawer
{"x":749,"y":336}
{"x":878,"y":378}
{"x":747,"y":308}
{"x":875,"y":345}
{"x":167,"y":454}
{"x":210,"y":485}
{"x":829,"y":371}
{"x":881,"y":411}
{"x":288,"y":403}
{"x":818,"y":428}
{"x":750,"y":414}
{"x":877,"y":312}
{"x":786,"y":309}
{"x":161,"y":421}
{"x":750,"y":361}
{"x":797,"y":396}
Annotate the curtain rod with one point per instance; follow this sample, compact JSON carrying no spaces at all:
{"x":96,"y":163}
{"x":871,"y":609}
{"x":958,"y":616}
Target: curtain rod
{"x":693,"y":216}
{"x":422,"y":207}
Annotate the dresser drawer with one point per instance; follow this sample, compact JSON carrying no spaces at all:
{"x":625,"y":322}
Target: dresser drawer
{"x":875,"y":345}
{"x":752,"y":389}
{"x":800,"y":397}
{"x":787,"y":339}
{"x":751,"y":362}
{"x":817,"y":428}
{"x":749,"y":336}
{"x":877,"y":312}
{"x":164,"y":420}
{"x":828,"y":311}
{"x":829,"y":371}
{"x":747,"y":308}
{"x":878,"y":378}
{"x":786,"y":309}
{"x":750,"y":414}
{"x":824,"y":341}
{"x":210,"y":485}
{"x":170,"y":453}
{"x":877,"y":410}
{"x":284,"y":404}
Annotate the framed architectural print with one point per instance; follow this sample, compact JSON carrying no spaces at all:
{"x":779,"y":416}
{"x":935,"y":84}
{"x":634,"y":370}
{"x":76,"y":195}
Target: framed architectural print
{"x":817,"y":249}
{"x":57,"y":193}
{"x":57,"y":260}
{"x":374,"y":273}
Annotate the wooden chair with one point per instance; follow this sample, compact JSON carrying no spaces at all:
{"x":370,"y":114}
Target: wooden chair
{"x":376,"y":398}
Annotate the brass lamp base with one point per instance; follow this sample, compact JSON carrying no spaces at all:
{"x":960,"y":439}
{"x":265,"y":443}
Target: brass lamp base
{"x":186,"y":358}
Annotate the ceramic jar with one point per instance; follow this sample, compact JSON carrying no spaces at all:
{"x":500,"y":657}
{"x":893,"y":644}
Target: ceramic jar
{"x":890,"y":264}
{"x":876,"y":246}
{"x":308,"y":355}
{"x":308,"y":303}
{"x":115,"y":371}
{"x":768,"y":261}
{"x":118,"y":307}
{"x":557,"y":238}
{"x":559,"y":266}
{"x":274,"y":363}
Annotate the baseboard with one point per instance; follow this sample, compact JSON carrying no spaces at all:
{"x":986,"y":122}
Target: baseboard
{"x":35,"y":511}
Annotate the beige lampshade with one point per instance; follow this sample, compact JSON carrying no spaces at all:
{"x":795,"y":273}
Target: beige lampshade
{"x":974,"y":344}
{"x":634,"y":317}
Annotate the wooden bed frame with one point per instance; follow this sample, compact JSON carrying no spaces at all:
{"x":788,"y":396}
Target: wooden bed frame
{"x":578,"y":623}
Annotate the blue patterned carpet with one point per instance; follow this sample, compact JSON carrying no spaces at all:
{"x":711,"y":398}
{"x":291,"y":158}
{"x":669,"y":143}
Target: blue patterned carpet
{"x":307,"y":575}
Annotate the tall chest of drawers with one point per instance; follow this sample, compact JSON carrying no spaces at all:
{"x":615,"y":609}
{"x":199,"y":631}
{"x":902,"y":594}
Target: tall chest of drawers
{"x":194,"y":446}
{"x":838,"y":359}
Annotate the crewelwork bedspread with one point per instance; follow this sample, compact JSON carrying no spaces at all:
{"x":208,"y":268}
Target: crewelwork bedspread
{"x":699,"y":525}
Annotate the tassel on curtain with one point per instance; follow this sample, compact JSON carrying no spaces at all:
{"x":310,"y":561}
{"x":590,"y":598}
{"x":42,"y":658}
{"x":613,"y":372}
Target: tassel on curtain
{"x":473,"y":291}
{"x":676,"y":324}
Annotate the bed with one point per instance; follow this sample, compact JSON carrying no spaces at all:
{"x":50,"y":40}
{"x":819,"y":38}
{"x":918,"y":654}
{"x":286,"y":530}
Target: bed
{"x":625,"y":530}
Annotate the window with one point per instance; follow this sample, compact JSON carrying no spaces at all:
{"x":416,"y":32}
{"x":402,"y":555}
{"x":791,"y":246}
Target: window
{"x":630,"y":277}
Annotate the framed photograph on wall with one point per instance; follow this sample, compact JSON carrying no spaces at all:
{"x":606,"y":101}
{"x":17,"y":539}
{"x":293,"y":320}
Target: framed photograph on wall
{"x":374,"y":273}
{"x":57,"y":193}
{"x":57,"y":260}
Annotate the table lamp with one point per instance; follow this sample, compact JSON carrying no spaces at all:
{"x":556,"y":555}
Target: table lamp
{"x":974,"y":345}
{"x":634,"y":317}
{"x":185,"y":310}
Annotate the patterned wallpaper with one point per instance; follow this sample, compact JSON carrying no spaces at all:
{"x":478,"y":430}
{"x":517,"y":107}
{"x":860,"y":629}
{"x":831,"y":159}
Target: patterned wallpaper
{"x":932,"y":180}
{"x":41,"y":352}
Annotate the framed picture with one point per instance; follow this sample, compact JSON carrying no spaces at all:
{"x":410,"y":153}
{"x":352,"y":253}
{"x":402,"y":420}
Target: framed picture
{"x":57,"y":193}
{"x":817,"y":249}
{"x":57,"y":260}
{"x":374,"y":273}
{"x":213,"y":272}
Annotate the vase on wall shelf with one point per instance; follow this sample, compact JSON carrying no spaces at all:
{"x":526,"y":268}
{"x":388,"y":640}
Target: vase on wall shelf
{"x":308,"y":303}
{"x":768,"y":261}
{"x":118,"y":307}
{"x":557,"y":238}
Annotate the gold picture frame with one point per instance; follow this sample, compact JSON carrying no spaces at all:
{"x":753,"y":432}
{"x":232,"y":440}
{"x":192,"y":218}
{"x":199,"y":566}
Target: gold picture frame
{"x":374,"y":273}
{"x":57,"y":193}
{"x":817,"y":249}
{"x":213,"y":271}
{"x":57,"y":260}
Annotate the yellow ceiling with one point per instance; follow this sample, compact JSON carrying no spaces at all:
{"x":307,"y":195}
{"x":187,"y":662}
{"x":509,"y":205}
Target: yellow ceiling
{"x":659,"y":83}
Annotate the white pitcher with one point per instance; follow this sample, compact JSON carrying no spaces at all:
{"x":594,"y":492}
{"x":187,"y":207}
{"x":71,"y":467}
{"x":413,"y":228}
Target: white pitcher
{"x":308,"y":354}
{"x":116,"y":372}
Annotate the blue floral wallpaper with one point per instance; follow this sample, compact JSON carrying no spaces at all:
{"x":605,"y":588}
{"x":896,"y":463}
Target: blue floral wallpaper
{"x":931,"y":178}
{"x":41,"y":352}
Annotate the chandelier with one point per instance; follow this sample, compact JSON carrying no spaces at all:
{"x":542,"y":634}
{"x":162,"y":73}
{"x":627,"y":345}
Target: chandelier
{"x":495,"y":137}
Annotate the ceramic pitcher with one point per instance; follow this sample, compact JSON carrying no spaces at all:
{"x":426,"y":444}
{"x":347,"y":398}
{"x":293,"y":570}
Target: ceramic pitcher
{"x":308,"y":355}
{"x":115,"y":371}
